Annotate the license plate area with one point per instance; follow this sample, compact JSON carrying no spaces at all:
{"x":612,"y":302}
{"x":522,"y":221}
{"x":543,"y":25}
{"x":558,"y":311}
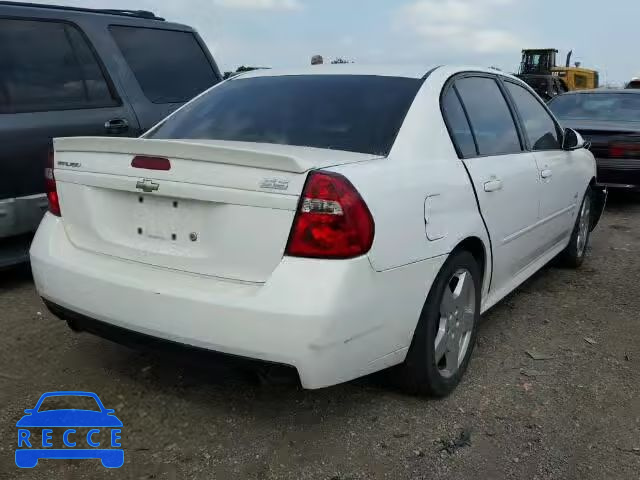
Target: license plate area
{"x":167,"y":220}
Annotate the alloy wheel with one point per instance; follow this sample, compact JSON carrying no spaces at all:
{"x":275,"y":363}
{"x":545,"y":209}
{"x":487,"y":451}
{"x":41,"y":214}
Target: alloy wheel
{"x":457,"y":316}
{"x":583,"y":226}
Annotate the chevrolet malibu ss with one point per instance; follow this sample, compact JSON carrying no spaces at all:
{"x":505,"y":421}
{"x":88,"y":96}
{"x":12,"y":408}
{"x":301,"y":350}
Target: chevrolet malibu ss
{"x":339,"y":220}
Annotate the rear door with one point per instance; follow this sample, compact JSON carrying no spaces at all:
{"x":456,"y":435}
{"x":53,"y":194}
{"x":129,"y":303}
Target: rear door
{"x":52,"y":85}
{"x":166,"y":68}
{"x":505,"y":177}
{"x":562,"y":188}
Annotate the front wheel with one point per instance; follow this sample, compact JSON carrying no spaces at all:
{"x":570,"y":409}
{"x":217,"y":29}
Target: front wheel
{"x":573,"y":255}
{"x":446,"y":332}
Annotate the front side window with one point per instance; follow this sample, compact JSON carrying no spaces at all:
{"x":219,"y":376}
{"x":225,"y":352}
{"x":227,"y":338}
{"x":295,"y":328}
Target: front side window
{"x":539,"y":126}
{"x":169,"y":65}
{"x":490,"y":117}
{"x":48,"y":66}
{"x":356,"y":113}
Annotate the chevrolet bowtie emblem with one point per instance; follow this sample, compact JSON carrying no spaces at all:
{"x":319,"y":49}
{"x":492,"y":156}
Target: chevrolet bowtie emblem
{"x":147,"y":185}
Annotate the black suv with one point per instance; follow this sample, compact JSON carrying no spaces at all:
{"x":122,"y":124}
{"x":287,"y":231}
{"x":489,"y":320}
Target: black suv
{"x":71,"y":71}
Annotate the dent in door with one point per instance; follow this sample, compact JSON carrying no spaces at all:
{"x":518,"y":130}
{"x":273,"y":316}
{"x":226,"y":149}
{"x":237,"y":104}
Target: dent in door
{"x":433,"y":222}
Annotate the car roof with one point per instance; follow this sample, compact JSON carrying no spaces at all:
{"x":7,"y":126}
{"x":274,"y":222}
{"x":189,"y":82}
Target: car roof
{"x":135,"y":18}
{"x":106,"y":11}
{"x":410,"y":71}
{"x":407,"y":71}
{"x":599,"y":91}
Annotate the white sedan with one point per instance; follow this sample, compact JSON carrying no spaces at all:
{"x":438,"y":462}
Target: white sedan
{"x":340,"y":220}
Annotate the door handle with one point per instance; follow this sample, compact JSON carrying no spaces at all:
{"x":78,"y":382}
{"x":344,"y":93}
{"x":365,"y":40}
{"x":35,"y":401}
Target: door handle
{"x":546,"y":173}
{"x":493,"y":185}
{"x":116,"y":125}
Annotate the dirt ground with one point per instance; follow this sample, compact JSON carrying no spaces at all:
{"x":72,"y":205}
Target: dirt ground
{"x":575,"y":415}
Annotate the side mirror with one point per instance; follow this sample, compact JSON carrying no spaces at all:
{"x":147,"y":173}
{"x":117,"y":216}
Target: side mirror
{"x":572,"y":140}
{"x":29,"y":411}
{"x":109,"y":411}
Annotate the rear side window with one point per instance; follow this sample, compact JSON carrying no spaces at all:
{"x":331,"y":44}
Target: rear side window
{"x":357,"y":113}
{"x":490,"y":117}
{"x":458,"y":125}
{"x":169,"y":65}
{"x":48,"y":66}
{"x":539,"y":126}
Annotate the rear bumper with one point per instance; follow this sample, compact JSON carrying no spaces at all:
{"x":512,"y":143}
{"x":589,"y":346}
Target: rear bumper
{"x":331,"y":320}
{"x":140,"y":341}
{"x":619,"y":173}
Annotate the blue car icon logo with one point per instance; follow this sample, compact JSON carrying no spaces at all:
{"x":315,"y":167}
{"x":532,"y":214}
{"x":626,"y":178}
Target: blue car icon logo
{"x":101,"y":440}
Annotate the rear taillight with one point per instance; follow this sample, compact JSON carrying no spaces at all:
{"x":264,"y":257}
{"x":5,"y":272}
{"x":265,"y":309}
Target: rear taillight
{"x":332,"y":220}
{"x":624,"y":150}
{"x":50,"y":187}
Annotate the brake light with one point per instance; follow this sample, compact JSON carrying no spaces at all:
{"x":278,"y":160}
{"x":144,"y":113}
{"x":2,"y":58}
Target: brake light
{"x":50,"y":187}
{"x":624,"y":150}
{"x":151,"y":163}
{"x":332,"y":221}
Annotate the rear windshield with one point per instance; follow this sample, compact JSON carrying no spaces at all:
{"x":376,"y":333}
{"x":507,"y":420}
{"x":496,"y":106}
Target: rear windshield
{"x":357,"y":113}
{"x":598,"y":106}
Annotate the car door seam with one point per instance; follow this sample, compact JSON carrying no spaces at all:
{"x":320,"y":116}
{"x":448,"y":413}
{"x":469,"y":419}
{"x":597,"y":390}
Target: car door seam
{"x":484,"y":222}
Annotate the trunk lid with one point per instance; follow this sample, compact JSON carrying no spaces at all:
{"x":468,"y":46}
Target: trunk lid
{"x":224,"y":209}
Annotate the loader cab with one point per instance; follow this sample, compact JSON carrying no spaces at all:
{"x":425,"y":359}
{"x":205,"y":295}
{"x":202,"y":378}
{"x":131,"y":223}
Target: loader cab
{"x":538,"y":61}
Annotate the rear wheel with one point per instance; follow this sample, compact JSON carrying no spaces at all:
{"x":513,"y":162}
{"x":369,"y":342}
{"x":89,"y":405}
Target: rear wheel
{"x":573,"y":255}
{"x":447,"y":329}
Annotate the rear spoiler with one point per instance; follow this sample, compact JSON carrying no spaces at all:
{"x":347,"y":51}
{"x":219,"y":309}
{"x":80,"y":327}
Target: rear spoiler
{"x":199,"y":150}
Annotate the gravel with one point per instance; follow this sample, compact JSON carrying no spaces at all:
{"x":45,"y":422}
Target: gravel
{"x":573,"y":415}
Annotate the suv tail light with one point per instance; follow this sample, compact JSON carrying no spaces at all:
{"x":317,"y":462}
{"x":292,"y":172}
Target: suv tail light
{"x":624,"y":150}
{"x":50,"y":187}
{"x":332,"y":220}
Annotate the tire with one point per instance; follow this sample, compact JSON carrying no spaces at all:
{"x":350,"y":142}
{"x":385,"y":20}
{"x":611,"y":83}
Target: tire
{"x":423,"y":372}
{"x":575,"y":252}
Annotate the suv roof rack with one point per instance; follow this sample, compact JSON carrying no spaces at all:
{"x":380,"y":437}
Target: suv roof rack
{"x":108,"y":11}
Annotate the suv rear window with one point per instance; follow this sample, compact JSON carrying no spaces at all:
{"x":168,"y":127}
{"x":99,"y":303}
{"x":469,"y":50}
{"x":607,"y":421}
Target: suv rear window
{"x":357,"y":113}
{"x":48,"y":66}
{"x":170,"y":66}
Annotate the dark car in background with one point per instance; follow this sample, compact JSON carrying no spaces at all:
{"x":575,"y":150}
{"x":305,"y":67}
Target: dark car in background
{"x":68,"y":71}
{"x":610,"y":120}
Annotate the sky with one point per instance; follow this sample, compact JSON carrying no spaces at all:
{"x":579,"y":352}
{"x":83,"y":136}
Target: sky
{"x":286,"y":33}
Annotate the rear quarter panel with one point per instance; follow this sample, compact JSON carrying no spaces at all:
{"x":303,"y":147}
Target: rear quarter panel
{"x":422,"y":164}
